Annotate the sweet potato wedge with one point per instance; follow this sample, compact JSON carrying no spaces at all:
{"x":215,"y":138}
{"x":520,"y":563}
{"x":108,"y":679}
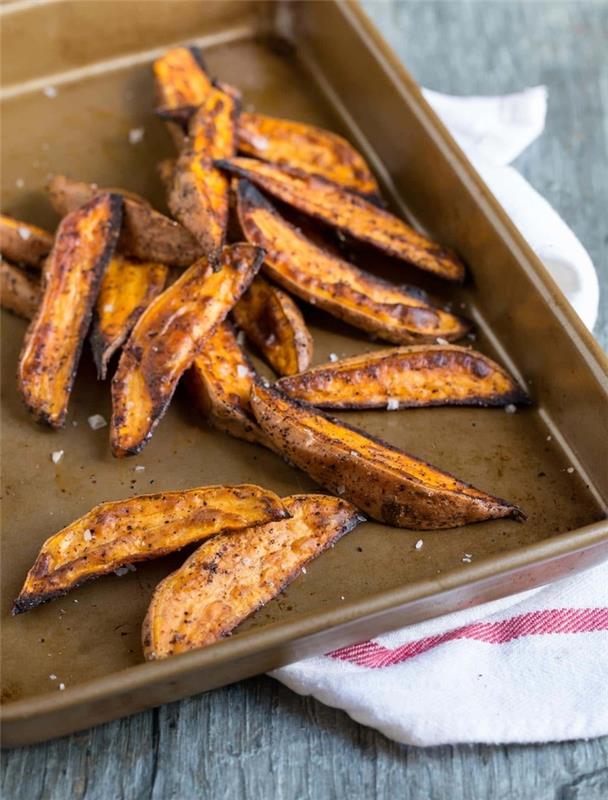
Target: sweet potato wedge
{"x":383,"y":481}
{"x":333,"y":205}
{"x":227,"y":579}
{"x":180,"y":78}
{"x":127,"y":289}
{"x":274,"y":324}
{"x":20,"y":291}
{"x":24,"y":243}
{"x":166,"y":339}
{"x":146,"y":234}
{"x":138,"y":529}
{"x":83,"y":246}
{"x":306,"y":147}
{"x":199,"y":193}
{"x":397,"y":314}
{"x":406,"y":377}
{"x":220,"y":381}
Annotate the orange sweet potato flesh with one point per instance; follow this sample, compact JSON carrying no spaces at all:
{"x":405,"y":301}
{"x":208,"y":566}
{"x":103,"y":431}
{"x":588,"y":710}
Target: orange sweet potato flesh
{"x":127,"y":289}
{"x":335,"y":206}
{"x":275,"y":325}
{"x":397,"y":314}
{"x":180,"y":78}
{"x":146,"y":234}
{"x":20,"y":291}
{"x":24,"y":243}
{"x":84,"y":244}
{"x":199,"y":193}
{"x":228,"y":578}
{"x":138,"y":529}
{"x":306,"y":147}
{"x":166,"y":339}
{"x":406,"y":377}
{"x":220,"y":381}
{"x":383,"y":481}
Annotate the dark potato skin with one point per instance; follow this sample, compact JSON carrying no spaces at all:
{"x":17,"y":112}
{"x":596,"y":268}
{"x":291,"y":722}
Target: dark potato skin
{"x":220,"y":381}
{"x":397,"y":314}
{"x":333,"y":205}
{"x":166,"y":339}
{"x":275,"y":325}
{"x":306,"y":147}
{"x":138,"y":529}
{"x":72,"y":274}
{"x":146,"y":234}
{"x":127,"y":289}
{"x":24,"y":243}
{"x":406,"y":377}
{"x":199,"y":193}
{"x":20,"y":291}
{"x":229,"y":577}
{"x":384,"y":482}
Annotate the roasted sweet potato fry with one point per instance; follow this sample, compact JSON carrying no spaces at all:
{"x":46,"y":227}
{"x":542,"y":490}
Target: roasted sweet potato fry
{"x":406,"y":377}
{"x":20,"y":291}
{"x":83,"y":247}
{"x":305,"y":147}
{"x":24,"y":243}
{"x":220,"y":381}
{"x":227,"y":579}
{"x":274,"y":324}
{"x":166,"y":339}
{"x":180,"y":78}
{"x":199,"y":193}
{"x":396,"y":314}
{"x":333,"y":205}
{"x":381,"y":480}
{"x":138,"y":529}
{"x":127,"y":289}
{"x":146,"y":234}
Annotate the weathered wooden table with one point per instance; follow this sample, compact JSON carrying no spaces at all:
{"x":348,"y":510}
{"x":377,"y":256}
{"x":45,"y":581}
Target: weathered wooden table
{"x":258,"y":740}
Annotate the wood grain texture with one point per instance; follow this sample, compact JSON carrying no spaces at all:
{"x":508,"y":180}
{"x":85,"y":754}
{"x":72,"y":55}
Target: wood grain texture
{"x":256,"y":739}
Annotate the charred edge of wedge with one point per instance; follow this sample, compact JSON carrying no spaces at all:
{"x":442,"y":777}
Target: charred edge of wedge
{"x":180,"y":115}
{"x":250,"y":199}
{"x":350,"y":524}
{"x":27,"y":601}
{"x":294,"y":385}
{"x":113,"y":225}
{"x":515,"y":513}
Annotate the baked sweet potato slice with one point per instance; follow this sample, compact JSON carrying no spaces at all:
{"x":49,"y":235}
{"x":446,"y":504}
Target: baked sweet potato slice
{"x":146,"y":234}
{"x":138,"y":529}
{"x":335,"y":206}
{"x":199,"y":193}
{"x":180,"y":78}
{"x":127,"y":289}
{"x":24,"y":243}
{"x":406,"y":377}
{"x":397,"y":314}
{"x":305,"y":147}
{"x":166,"y":339}
{"x":228,"y":578}
{"x":275,"y":325}
{"x":220,"y":381}
{"x":84,"y":244}
{"x":383,"y":481}
{"x":20,"y":291}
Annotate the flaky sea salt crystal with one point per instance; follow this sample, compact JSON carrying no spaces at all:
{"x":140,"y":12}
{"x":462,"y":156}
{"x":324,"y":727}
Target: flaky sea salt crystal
{"x":96,"y":421}
{"x":139,"y":468}
{"x":50,"y":92}
{"x":419,"y":544}
{"x":61,"y":687}
{"x":393,"y":404}
{"x":136,"y":135}
{"x":87,"y":535}
{"x":510,"y":408}
{"x":24,"y":233}
{"x":242,"y":371}
{"x":19,"y":183}
{"x":56,"y":456}
{"x":259,"y":142}
{"x":333,"y":357}
{"x":121,"y":571}
{"x":441,"y":340}
{"x":108,"y":308}
{"x":570,"y":470}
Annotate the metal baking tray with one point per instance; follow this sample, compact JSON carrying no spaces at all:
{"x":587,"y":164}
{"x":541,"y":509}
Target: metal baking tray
{"x":323,"y":63}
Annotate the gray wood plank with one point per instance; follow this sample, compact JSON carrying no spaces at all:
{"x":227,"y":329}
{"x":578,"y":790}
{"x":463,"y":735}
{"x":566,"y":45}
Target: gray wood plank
{"x":256,"y":739}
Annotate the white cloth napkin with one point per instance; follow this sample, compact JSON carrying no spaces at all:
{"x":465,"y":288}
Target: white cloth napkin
{"x":532,"y":667}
